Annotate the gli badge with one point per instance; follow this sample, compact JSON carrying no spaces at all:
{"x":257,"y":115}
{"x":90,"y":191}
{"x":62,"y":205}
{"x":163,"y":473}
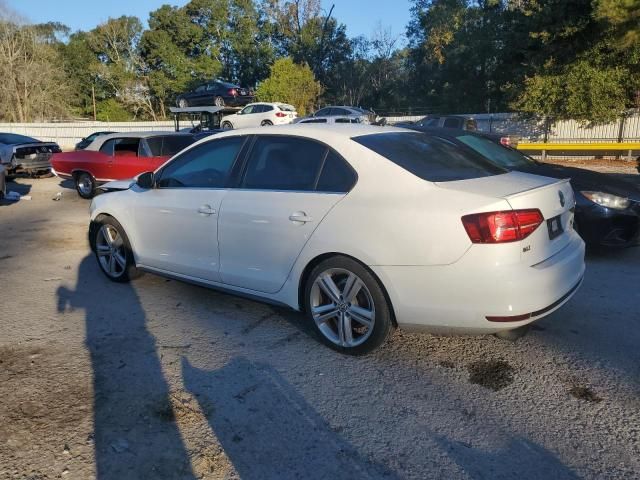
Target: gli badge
{"x":561,"y":195}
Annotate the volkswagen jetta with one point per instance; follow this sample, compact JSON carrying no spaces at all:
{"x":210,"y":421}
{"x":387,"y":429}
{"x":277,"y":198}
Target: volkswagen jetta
{"x":362,"y":228}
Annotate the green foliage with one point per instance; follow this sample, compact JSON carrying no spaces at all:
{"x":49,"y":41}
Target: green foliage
{"x":291,"y":83}
{"x":110,"y":110}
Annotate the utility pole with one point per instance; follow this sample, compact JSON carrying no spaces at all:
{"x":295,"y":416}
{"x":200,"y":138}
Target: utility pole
{"x":93,"y":98}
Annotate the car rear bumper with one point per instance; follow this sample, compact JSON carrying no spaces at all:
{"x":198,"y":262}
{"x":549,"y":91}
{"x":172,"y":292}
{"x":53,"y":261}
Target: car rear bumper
{"x":609,"y":228}
{"x":30,"y":165}
{"x":239,"y":101}
{"x":468,"y":296}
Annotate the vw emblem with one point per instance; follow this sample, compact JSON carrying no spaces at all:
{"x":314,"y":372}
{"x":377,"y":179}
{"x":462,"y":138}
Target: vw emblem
{"x":561,"y":195}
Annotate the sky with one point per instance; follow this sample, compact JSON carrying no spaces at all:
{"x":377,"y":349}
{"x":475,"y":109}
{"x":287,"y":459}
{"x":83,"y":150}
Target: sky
{"x":360,"y":16}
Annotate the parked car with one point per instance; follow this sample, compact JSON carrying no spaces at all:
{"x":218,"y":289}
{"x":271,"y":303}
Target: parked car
{"x":459,"y":122}
{"x":363,"y":116}
{"x":117,"y":156}
{"x":260,"y":115}
{"x":330,"y":120}
{"x":86,"y":141}
{"x":218,"y":93}
{"x":363,"y":228}
{"x":22,"y":154}
{"x":3,"y":181}
{"x":607,"y":209}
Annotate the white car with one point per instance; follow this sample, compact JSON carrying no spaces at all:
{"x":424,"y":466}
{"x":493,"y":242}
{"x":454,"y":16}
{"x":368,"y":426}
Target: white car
{"x":260,"y":115}
{"x":362,"y":228}
{"x":330,"y":120}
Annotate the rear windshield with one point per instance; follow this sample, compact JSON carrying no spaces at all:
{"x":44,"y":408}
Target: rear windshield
{"x":169,"y":145}
{"x":286,"y":108}
{"x":431,"y":158}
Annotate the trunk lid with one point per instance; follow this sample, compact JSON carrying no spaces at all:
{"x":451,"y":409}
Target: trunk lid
{"x":554,"y":198}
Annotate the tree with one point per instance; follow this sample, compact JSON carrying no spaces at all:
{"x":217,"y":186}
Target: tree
{"x":291,"y":83}
{"x":33,"y":84}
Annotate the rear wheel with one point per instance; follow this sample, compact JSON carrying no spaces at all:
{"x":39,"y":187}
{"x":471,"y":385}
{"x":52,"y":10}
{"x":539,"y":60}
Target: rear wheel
{"x":347,"y":306}
{"x":113,"y":250}
{"x":85,"y":185}
{"x":227,"y":126}
{"x":266,"y":123}
{"x":182,"y":103}
{"x":219,"y":102}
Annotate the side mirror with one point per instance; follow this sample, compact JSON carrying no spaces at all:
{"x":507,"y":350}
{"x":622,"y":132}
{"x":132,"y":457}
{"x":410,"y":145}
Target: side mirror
{"x":145,"y":180}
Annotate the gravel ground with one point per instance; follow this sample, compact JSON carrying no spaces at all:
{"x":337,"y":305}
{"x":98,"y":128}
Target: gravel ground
{"x":160,"y":379}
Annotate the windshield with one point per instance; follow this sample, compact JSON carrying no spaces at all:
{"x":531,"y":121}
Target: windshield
{"x":429,"y":157}
{"x":502,"y":156}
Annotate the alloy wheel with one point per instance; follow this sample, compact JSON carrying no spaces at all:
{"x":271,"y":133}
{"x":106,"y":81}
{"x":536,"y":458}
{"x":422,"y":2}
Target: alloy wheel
{"x":85,"y":185}
{"x":111,"y":251}
{"x":342,"y":307}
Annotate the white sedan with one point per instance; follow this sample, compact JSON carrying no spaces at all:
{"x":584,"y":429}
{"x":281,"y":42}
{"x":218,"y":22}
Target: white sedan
{"x":362,"y":228}
{"x":260,"y":115}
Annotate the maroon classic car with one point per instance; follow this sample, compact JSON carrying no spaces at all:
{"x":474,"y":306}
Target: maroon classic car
{"x":117,"y":156}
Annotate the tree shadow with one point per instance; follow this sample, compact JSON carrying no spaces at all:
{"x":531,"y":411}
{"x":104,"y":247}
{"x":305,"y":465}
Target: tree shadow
{"x":133,"y":435}
{"x":268,"y":430}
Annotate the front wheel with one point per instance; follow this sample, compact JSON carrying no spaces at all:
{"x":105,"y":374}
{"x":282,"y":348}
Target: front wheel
{"x":85,"y":185}
{"x":218,"y":102}
{"x":182,"y":103}
{"x":113,"y":250}
{"x":227,"y":126}
{"x":266,"y":123}
{"x":347,"y":306}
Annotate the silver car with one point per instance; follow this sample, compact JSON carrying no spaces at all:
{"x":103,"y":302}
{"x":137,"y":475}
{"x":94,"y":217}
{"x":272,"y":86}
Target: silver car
{"x":364,"y":116}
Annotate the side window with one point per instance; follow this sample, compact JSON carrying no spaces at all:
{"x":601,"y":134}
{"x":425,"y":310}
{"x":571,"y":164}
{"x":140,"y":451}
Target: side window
{"x":470,"y":124}
{"x":201,"y":89}
{"x":340,"y":111}
{"x":336,"y":175}
{"x":315,"y":120}
{"x":432,"y":122}
{"x":324,"y":112}
{"x":126,"y":147}
{"x":343,"y":120}
{"x":451,"y":123}
{"x":206,"y":166}
{"x":107,"y":147}
{"x":283,"y":163}
{"x":249,"y":109}
{"x":210,"y":87}
{"x":266,"y":108}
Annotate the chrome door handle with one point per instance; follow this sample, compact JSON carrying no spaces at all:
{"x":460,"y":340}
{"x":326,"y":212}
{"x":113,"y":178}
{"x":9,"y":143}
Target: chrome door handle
{"x":206,"y":210}
{"x":300,"y":217}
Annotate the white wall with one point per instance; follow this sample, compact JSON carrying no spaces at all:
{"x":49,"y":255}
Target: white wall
{"x":68,"y":134}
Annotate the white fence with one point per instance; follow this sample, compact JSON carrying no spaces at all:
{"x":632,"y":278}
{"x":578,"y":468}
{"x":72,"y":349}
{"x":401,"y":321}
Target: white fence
{"x":68,"y":134}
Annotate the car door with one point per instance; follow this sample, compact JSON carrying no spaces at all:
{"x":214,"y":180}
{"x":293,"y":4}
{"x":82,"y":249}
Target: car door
{"x":199,"y":96}
{"x":247,"y":117}
{"x":266,"y":221}
{"x":178,"y":220}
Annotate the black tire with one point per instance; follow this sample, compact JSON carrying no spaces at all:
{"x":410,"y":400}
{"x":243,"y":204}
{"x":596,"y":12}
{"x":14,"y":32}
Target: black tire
{"x":266,"y":123}
{"x":85,"y":185}
{"x":371,"y":337}
{"x":218,"y":101}
{"x":226,"y":126}
{"x":515,"y":334}
{"x":183,"y":103}
{"x":123,"y":274}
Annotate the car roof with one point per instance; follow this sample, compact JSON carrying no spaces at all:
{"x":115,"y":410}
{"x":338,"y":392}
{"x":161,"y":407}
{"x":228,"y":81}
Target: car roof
{"x":99,"y":141}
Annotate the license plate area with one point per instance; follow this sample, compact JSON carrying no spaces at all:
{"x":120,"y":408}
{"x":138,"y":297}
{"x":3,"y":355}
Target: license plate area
{"x":554,"y":225}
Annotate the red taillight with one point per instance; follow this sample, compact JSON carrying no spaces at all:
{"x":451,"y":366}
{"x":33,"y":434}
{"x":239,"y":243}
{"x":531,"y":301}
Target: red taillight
{"x":506,"y":141}
{"x":502,"y":227}
{"x":233,"y":92}
{"x":280,"y":114}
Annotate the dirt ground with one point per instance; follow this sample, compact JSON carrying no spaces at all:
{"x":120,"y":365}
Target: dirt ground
{"x":159,"y":379}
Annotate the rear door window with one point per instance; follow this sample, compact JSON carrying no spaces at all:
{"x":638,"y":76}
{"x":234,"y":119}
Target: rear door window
{"x":337,"y":176}
{"x":429,"y":157}
{"x":451,"y":123}
{"x":167,"y":146}
{"x":315,"y":120}
{"x":283,"y":163}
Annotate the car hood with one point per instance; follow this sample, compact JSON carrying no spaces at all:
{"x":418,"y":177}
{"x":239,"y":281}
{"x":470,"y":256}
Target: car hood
{"x":118,"y":185}
{"x":582,"y":179}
